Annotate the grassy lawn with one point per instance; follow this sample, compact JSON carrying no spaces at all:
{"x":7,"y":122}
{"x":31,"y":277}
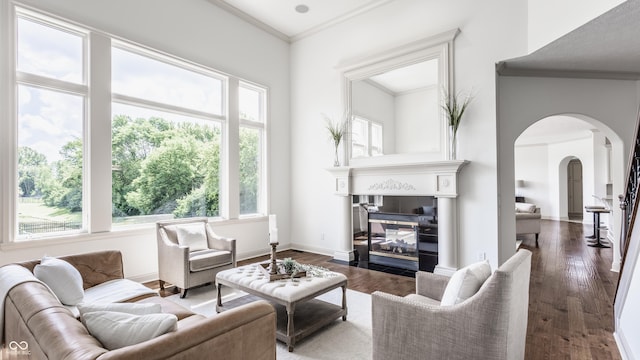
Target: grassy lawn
{"x":39,"y":211}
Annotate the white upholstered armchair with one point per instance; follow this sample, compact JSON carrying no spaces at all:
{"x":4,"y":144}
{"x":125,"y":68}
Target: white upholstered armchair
{"x":490,"y":324}
{"x":190,"y":253}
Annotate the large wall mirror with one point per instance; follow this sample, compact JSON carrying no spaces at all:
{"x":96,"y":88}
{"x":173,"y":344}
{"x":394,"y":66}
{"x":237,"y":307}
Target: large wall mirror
{"x":392,"y":100}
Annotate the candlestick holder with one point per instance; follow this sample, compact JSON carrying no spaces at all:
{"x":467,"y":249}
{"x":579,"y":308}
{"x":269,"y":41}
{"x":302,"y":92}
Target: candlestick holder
{"x":274,"y":266}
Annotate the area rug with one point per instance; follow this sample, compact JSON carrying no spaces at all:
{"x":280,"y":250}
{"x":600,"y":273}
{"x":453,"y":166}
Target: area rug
{"x":349,"y":339}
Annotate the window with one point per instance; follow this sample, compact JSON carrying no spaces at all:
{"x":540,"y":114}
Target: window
{"x":51,"y":98}
{"x":252,"y":113}
{"x":176,"y":147}
{"x":366,"y":137}
{"x":166,"y":139}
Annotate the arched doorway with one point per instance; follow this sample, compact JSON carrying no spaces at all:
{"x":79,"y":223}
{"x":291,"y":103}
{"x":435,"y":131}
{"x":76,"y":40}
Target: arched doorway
{"x":574,"y":190}
{"x":598,"y":150}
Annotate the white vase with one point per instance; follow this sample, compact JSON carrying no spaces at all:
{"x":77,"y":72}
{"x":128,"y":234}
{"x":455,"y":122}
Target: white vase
{"x":453,"y":144}
{"x":336,"y":160}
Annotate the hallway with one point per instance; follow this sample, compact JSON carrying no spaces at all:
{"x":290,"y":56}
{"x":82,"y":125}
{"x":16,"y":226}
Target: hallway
{"x":571,"y":296}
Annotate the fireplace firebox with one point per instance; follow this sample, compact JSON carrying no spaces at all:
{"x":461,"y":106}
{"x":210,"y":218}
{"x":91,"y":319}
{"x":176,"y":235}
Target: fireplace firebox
{"x":406,"y":241}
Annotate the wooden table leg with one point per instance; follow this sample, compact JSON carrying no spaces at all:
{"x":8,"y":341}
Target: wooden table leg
{"x":219,"y":304}
{"x":344,"y":302}
{"x":291,"y":339}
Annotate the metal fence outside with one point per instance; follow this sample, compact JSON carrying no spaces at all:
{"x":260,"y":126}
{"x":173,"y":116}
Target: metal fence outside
{"x":46,"y":226}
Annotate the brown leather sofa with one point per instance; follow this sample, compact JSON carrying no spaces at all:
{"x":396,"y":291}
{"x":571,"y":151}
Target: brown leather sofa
{"x":33,"y":315}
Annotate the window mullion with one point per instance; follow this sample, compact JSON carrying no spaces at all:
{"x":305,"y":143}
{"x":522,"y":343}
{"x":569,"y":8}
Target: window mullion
{"x":8,"y":139}
{"x":98,"y":146}
{"x":230,"y":194}
{"x":149,"y":104}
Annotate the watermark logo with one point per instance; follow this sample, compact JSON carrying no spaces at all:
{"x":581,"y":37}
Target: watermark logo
{"x":16,"y":350}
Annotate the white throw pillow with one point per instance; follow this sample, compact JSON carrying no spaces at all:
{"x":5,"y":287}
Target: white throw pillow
{"x":465,"y":283}
{"x":192,"y":235}
{"x":62,"y":278}
{"x":116,"y":329}
{"x":525,"y":208}
{"x":129,"y":308}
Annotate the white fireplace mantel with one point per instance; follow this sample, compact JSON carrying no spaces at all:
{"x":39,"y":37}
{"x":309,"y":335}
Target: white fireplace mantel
{"x":429,"y":178}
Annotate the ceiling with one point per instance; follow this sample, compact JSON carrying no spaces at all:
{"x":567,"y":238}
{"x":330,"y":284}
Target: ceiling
{"x":555,"y":129}
{"x":606,"y":47}
{"x":281,"y":18}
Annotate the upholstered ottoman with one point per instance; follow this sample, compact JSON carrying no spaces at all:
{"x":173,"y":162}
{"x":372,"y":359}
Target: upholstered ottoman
{"x":299,"y":313}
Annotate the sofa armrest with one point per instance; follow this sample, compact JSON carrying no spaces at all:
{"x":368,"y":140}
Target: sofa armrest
{"x":95,"y":267}
{"x":431,"y":285}
{"x":246,"y":332}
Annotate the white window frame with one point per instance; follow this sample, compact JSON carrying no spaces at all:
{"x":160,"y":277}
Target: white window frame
{"x":97,"y":122}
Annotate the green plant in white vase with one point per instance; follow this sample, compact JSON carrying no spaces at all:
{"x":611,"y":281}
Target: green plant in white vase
{"x":337,"y":132}
{"x":454,"y":107}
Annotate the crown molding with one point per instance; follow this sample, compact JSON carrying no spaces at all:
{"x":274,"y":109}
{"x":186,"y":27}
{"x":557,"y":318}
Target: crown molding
{"x":250,"y":19}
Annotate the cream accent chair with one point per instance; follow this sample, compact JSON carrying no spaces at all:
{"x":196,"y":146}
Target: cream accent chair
{"x":491,"y":324}
{"x":185,"y":267}
{"x":528,"y":219}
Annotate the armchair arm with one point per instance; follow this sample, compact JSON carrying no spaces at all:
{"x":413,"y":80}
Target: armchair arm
{"x":173,"y":260}
{"x":218,"y":242}
{"x":431,"y":285}
{"x":405,"y":329}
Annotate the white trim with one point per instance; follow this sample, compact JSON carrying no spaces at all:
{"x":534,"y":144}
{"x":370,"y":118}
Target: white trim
{"x":250,"y":19}
{"x":439,"y":47}
{"x":340,"y":19}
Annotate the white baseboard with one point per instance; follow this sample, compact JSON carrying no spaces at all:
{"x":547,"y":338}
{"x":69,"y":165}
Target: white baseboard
{"x":623,"y":346}
{"x":344,"y":255}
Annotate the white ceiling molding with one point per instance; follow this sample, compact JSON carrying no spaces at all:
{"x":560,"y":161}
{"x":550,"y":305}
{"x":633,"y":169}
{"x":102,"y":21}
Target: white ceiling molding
{"x":340,"y":19}
{"x":250,"y":19}
{"x":272,"y":28}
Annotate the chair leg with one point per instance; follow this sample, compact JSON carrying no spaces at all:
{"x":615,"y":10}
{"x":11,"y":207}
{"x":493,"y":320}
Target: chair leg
{"x":183,"y":293}
{"x":537,"y":240}
{"x":161,"y":284}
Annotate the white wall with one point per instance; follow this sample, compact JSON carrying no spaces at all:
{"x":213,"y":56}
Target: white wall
{"x":609,"y":105}
{"x":532,"y":166}
{"x":543,"y":168}
{"x":198,"y":31}
{"x":627,"y":312}
{"x":490,"y":31}
{"x":551,"y":19}
{"x":559,"y":156}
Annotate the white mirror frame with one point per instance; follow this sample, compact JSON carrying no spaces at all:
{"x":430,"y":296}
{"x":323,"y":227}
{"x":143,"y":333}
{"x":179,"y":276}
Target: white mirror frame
{"x":435,"y":47}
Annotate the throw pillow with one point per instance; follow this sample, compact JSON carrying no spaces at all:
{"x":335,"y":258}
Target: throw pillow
{"x":116,"y":329}
{"x":192,"y":235}
{"x":465,"y":283}
{"x":62,"y":278}
{"x":129,"y":308}
{"x":525,"y":208}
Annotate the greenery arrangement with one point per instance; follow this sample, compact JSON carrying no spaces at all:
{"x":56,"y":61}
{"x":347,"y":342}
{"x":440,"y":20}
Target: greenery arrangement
{"x":291,"y":266}
{"x":337,"y":132}
{"x":455,"y":106}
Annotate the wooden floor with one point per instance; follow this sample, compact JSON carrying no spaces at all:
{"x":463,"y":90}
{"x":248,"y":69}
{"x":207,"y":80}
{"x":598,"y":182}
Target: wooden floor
{"x":571,"y":296}
{"x":571,"y":292}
